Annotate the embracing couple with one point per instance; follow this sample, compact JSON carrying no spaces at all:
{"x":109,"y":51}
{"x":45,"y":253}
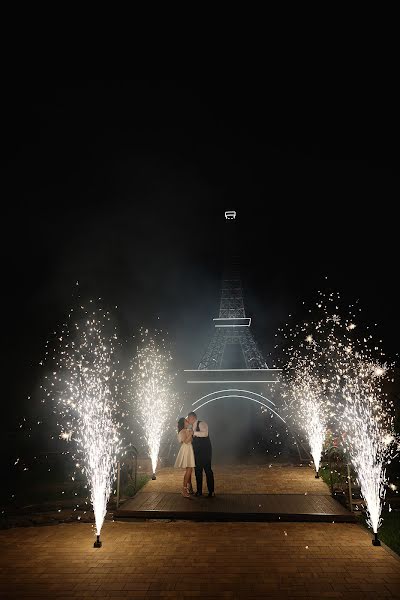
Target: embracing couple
{"x":195,"y":452}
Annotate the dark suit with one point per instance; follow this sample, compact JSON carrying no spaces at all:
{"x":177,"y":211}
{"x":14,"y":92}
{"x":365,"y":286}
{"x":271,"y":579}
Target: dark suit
{"x":202,"y":456}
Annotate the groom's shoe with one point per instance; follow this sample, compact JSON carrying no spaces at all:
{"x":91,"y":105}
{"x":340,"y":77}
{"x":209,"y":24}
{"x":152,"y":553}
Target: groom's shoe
{"x":198,"y":494}
{"x":211,"y":495}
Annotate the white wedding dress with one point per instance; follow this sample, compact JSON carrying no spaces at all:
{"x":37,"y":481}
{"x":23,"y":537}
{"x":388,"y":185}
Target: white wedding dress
{"x":185,"y":456}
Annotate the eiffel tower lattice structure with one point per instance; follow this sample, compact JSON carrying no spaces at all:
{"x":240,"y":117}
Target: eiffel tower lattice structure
{"x":217,"y":376}
{"x":232,"y":326}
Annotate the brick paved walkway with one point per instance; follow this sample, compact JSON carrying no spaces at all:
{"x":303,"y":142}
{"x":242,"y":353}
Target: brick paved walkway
{"x":182,"y":560}
{"x":246,"y":479}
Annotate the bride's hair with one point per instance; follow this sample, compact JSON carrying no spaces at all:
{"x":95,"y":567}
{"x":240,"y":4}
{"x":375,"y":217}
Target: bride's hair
{"x":181,"y":424}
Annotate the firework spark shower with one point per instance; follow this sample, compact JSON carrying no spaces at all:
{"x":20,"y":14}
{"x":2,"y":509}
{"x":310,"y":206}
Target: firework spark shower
{"x":309,"y":405}
{"x":305,"y":383}
{"x":83,"y":385}
{"x":349,"y":367}
{"x":153,"y":392}
{"x":370,"y":437}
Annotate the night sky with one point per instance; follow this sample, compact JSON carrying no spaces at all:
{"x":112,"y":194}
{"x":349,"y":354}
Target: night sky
{"x":123,"y":186}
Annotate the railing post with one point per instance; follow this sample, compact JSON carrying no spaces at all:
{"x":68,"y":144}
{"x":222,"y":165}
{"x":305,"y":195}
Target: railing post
{"x":118,"y":481}
{"x":349,"y":485}
{"x":136,"y":461}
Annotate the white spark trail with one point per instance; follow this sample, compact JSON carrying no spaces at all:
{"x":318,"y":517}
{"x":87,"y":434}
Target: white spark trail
{"x":348,"y":369}
{"x":153,"y":392}
{"x":369,"y":434}
{"x":83,"y":387}
{"x":309,"y":408}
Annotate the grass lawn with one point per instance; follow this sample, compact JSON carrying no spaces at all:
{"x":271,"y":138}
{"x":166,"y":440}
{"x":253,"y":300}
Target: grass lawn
{"x":129,"y":490}
{"x":325,"y":474}
{"x":389,"y":532}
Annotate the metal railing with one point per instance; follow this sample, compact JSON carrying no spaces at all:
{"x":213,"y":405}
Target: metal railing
{"x":129,"y":461}
{"x":338,"y":464}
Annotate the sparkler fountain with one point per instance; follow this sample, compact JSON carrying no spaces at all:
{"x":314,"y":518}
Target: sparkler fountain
{"x":83,"y":386}
{"x":305,"y":382}
{"x":363,"y":411}
{"x":153,"y":392}
{"x":370,"y":437}
{"x":349,"y":370}
{"x":309,"y":403}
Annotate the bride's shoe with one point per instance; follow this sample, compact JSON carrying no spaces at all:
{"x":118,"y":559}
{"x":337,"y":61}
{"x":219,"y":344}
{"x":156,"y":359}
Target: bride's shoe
{"x":185,"y":492}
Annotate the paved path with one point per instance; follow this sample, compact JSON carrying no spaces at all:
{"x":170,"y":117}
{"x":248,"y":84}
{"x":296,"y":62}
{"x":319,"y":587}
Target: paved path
{"x":246,"y":479}
{"x":210,"y":560}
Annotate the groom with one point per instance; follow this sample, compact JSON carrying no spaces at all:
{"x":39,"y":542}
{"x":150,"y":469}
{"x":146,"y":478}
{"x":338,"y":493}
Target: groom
{"x":202,"y":454}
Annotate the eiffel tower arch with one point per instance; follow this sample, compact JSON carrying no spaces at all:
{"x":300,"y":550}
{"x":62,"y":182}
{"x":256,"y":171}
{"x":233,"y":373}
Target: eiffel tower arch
{"x":232,"y":366}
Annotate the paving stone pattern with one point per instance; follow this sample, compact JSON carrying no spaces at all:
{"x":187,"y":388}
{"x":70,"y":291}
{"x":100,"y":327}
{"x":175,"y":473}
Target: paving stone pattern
{"x":245,"y":479}
{"x":186,"y":560}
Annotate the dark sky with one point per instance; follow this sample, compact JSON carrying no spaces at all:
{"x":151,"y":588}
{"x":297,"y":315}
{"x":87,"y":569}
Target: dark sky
{"x":123,"y":186}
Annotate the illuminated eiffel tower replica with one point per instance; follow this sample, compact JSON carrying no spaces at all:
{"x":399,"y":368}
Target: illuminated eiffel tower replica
{"x":232,"y":327}
{"x":215,"y":378}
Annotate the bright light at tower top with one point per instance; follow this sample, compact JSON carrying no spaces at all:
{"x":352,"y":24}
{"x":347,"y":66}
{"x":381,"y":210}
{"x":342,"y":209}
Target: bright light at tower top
{"x":230,"y":215}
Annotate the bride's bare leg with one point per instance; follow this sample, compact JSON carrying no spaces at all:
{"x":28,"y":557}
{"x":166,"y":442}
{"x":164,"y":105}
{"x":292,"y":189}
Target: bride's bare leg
{"x":190,"y":486}
{"x":186,"y":479}
{"x":188,"y":476}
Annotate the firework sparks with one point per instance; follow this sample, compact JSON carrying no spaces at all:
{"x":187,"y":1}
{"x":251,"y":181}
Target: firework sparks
{"x":349,"y":371}
{"x":83,"y":386}
{"x":309,"y":408}
{"x":369,"y":435}
{"x":153,"y":392}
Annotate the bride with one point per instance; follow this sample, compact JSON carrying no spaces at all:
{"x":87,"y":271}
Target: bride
{"x":185,"y":458}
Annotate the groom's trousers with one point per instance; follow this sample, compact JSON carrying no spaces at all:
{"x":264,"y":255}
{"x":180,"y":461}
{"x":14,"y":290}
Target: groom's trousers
{"x":202,"y":456}
{"x":209,"y":477}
